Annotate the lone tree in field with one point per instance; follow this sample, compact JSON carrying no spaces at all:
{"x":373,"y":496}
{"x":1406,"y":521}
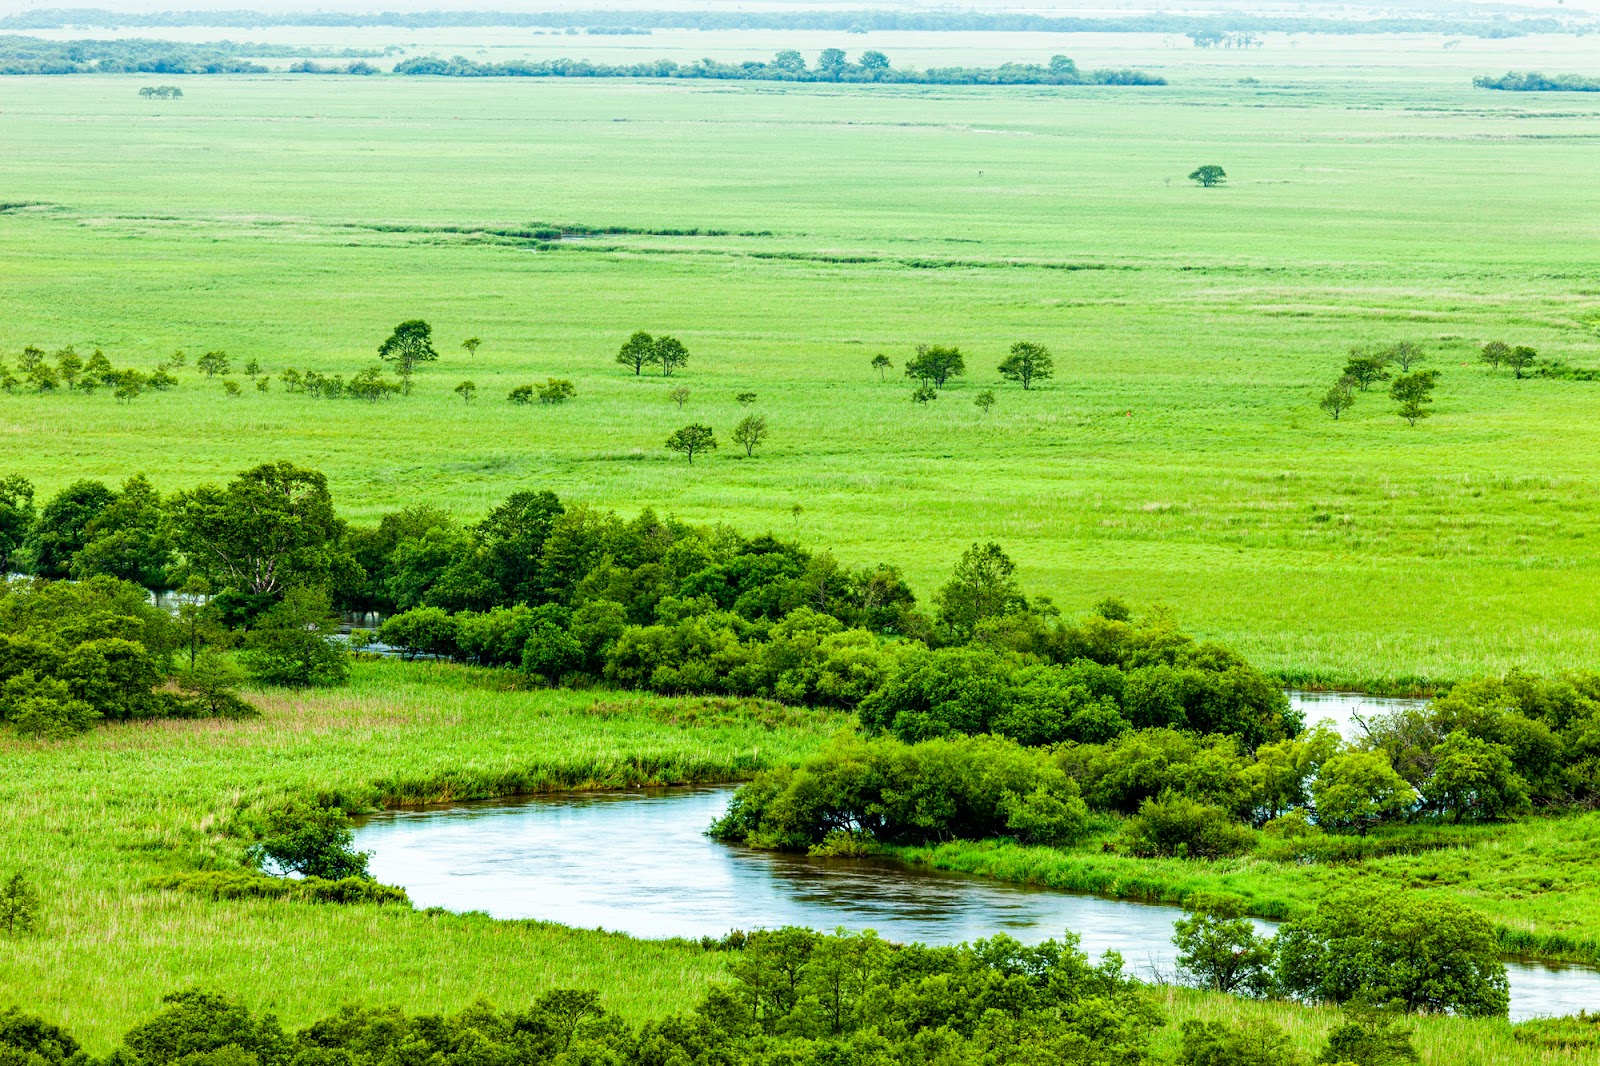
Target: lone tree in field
{"x":410,"y":343}
{"x":881,"y":363}
{"x":985,"y":400}
{"x":693,"y":438}
{"x":671,"y":354}
{"x":19,"y":905}
{"x":1338,"y":399}
{"x":750,"y":431}
{"x":934,"y":364}
{"x":1027,"y":363}
{"x":1413,"y":392}
{"x":679,"y":396}
{"x":471,"y":345}
{"x":1366,"y":367}
{"x":1494,"y":353}
{"x":466,"y":390}
{"x":638,"y":352}
{"x":1208,"y":175}
{"x":211,"y":364}
{"x":1519,"y":359}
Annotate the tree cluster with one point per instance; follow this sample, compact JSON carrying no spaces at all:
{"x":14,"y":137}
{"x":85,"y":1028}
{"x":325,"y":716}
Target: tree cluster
{"x":161,"y":92}
{"x":1381,"y":949}
{"x":75,"y":373}
{"x":642,"y":351}
{"x":1411,"y":389}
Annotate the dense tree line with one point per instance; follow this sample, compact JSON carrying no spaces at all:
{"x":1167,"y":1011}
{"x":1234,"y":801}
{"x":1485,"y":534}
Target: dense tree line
{"x":36,"y":55}
{"x":787,"y":65}
{"x":856,"y":21}
{"x":794,"y":998}
{"x":1534,"y":82}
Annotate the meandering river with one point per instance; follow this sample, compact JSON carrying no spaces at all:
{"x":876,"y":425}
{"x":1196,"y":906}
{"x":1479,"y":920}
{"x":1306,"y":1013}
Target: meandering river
{"x":639,"y":862}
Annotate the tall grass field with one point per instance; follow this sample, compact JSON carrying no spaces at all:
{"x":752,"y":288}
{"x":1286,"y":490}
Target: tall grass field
{"x":1178,"y":456}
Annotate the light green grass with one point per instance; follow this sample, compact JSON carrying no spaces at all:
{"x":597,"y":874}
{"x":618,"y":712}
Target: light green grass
{"x":1178,"y":456}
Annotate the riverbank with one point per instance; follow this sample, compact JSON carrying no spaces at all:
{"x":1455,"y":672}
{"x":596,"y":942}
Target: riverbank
{"x":95,"y":818}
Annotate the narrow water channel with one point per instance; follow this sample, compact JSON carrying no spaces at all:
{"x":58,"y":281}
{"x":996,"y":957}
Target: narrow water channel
{"x":640,"y":863}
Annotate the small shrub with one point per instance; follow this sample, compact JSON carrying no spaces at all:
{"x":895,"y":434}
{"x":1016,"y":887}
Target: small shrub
{"x":19,"y":905}
{"x":1184,"y":828}
{"x":522,"y":394}
{"x":310,"y":841}
{"x":556,"y":391}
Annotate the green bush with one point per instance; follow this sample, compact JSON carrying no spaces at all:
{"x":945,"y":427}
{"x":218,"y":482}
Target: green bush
{"x":309,"y":840}
{"x":1179,"y":827}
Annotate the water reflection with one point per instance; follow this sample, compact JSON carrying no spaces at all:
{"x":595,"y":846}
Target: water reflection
{"x":1346,"y":709}
{"x":640,"y":863}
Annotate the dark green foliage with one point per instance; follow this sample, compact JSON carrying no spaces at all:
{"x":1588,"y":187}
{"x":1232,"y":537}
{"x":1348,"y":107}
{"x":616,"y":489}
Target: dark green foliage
{"x":273,"y":527}
{"x":309,"y":840}
{"x":212,"y":683}
{"x":62,"y":528}
{"x":935,"y":365}
{"x":983,"y":587}
{"x":1474,"y":779}
{"x":1366,"y":367}
{"x":28,"y":1040}
{"x":638,"y":352}
{"x":74,"y":652}
{"x":1413,"y":392}
{"x":1027,"y":363}
{"x":1369,"y":1037}
{"x":247,"y":884}
{"x":1219,"y":948}
{"x":555,"y":391}
{"x":409,"y":345}
{"x":691,"y":439}
{"x":1208,"y":176}
{"x":1248,"y":1044}
{"x":19,"y":911}
{"x":292,"y":644}
{"x":886,"y":790}
{"x":205,"y":1027}
{"x":1179,"y":827}
{"x":1378,"y":946}
{"x":127,"y":538}
{"x":16,"y":518}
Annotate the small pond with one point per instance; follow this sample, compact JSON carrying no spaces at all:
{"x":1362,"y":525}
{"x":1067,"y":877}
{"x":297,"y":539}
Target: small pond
{"x":1344,"y":708}
{"x":640,"y":863}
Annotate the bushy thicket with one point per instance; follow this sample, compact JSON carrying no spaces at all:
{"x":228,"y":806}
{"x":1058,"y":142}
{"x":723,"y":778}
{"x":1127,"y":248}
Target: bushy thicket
{"x":1534,"y":82}
{"x":72,"y":654}
{"x":796,"y":997}
{"x":886,"y":790}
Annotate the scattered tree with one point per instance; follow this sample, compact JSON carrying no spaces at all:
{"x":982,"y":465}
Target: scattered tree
{"x":881,"y":363}
{"x":1027,"y":363}
{"x":466,"y":390}
{"x":1366,"y":367}
{"x":310,"y":841}
{"x":671,"y":354}
{"x":1413,"y":392}
{"x":691,"y":439}
{"x":231,"y":388}
{"x":70,"y":366}
{"x":936,"y":364}
{"x":1339,"y":398}
{"x":1519,"y":359}
{"x":638,"y":352}
{"x":924,"y":394}
{"x":1208,"y":175}
{"x":745,"y":399}
{"x":211,"y":364}
{"x":371,"y":385}
{"x":252,"y":367}
{"x":750,"y":431}
{"x":983,"y":586}
{"x":985,"y":400}
{"x":679,"y":396}
{"x":263,"y":383}
{"x":410,"y":343}
{"x":555,"y":391}
{"x":522,"y":394}
{"x":1405,"y":354}
{"x":471,"y":345}
{"x":1494,"y":353}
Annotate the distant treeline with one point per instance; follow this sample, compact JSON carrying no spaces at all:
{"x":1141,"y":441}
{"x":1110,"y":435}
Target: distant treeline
{"x":1534,"y":82}
{"x":34,"y":55}
{"x":787,"y":65}
{"x":848,"y":21}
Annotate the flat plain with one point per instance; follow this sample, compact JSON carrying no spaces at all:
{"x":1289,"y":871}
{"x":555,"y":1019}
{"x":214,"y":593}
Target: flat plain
{"x":1177,"y":457}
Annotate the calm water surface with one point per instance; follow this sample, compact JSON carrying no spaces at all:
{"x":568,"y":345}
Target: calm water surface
{"x":640,"y":863}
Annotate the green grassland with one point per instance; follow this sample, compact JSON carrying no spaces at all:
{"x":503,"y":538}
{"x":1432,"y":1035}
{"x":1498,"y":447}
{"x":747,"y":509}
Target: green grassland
{"x":1177,"y":457}
{"x":96,"y":817}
